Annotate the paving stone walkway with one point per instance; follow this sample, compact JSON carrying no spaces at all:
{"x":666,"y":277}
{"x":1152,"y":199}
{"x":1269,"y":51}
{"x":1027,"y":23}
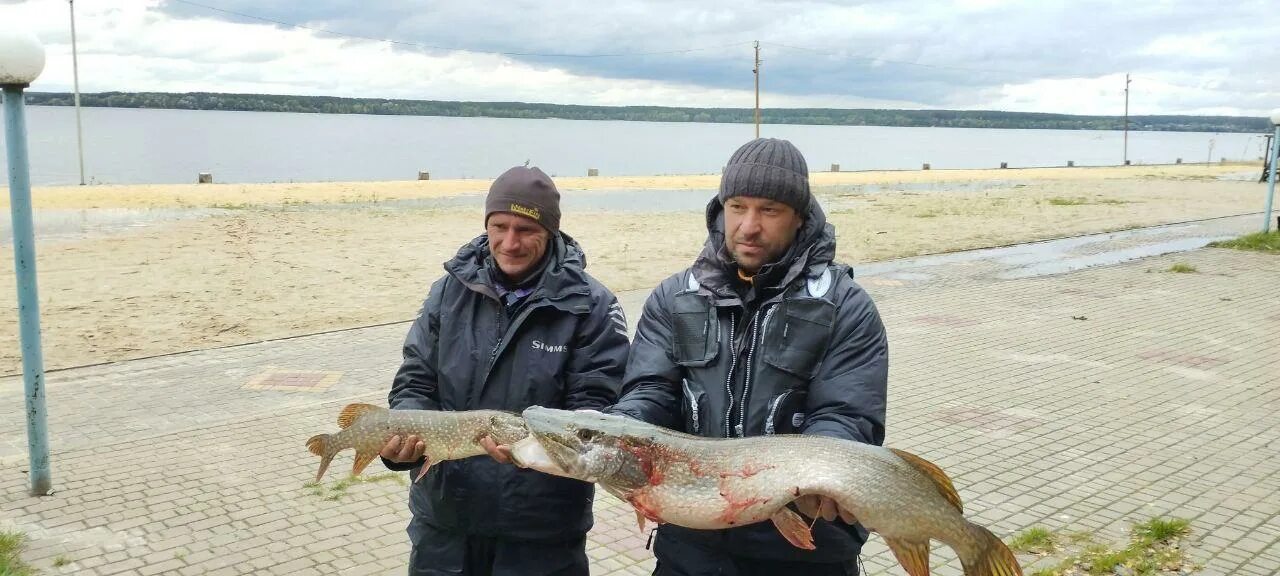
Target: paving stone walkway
{"x":1077,"y":400}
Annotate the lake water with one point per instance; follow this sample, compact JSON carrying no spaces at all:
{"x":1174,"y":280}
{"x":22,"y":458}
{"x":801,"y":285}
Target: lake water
{"x":143,"y":146}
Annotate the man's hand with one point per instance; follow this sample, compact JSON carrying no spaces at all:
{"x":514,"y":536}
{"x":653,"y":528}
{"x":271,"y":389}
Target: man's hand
{"x":501,"y":453}
{"x":815,"y":506}
{"x":407,"y":450}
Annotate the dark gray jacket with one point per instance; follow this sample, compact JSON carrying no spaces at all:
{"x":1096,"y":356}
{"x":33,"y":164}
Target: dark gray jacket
{"x":802,"y":351}
{"x":562,"y":346}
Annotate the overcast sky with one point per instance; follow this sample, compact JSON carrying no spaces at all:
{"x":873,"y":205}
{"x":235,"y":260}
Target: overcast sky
{"x":1186,"y":57}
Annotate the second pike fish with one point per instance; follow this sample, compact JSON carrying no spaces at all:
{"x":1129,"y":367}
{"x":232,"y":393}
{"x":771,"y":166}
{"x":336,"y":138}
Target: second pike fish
{"x":710,"y":483}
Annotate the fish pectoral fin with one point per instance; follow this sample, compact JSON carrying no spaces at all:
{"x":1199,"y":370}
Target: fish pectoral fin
{"x":362,"y":461}
{"x":914,"y":556}
{"x":640,"y":520}
{"x":617,"y":492}
{"x":793,"y":528}
{"x":426,"y":465}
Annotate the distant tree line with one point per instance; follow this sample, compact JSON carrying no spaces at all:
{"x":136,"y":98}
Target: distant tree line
{"x":818,"y":116}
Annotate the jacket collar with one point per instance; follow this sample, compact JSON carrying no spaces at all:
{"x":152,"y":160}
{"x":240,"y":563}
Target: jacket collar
{"x":562,"y":275}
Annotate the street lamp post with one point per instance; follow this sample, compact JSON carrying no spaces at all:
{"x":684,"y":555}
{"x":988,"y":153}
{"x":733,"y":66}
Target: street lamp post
{"x":21,"y":61}
{"x":1271,"y":178}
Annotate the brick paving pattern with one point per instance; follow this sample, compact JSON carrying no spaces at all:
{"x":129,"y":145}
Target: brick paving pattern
{"x":1085,"y":400}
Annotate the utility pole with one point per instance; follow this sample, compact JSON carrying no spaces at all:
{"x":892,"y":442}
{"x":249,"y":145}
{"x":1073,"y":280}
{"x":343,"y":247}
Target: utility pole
{"x":75,"y":73}
{"x":756,"y":71}
{"x":1126,"y":119}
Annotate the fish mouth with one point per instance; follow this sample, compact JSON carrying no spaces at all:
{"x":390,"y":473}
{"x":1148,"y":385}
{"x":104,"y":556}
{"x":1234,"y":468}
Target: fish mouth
{"x":569,"y":437}
{"x":555,"y":431}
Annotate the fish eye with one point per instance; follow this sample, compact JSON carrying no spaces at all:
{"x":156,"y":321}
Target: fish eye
{"x":586,"y":434}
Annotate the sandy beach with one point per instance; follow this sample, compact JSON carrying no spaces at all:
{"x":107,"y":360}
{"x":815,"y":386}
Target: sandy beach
{"x":132,"y":271}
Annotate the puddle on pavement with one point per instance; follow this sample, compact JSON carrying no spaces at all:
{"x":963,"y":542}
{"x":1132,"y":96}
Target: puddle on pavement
{"x":1069,"y":264}
{"x":1054,"y":256}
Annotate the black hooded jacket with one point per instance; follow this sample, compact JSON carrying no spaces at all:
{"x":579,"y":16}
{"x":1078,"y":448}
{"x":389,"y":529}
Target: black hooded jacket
{"x":799,"y":350}
{"x":564,"y":345}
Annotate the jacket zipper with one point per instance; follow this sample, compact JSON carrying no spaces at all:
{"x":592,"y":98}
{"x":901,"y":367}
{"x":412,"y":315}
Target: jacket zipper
{"x":751,"y":352}
{"x":693,"y":404}
{"x":728,"y":381}
{"x":493,"y":352}
{"x":773,"y":412}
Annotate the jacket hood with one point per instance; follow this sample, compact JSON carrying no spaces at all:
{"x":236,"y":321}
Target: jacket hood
{"x":563,"y":271}
{"x":813,"y":250}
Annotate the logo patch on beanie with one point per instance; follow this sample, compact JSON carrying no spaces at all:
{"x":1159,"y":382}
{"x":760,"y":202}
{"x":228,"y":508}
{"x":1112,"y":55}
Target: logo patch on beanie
{"x":526,"y":211}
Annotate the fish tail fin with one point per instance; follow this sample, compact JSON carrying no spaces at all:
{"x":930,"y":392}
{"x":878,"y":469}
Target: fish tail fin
{"x":322,"y":445}
{"x":988,"y":556}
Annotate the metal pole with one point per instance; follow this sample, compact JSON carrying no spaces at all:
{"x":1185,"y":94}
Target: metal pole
{"x":1126,"y":119}
{"x":24,"y":256}
{"x":75,"y":74}
{"x":756,"y":71}
{"x":1271,"y":186}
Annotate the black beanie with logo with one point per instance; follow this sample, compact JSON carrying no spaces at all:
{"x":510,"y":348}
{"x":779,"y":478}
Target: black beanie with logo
{"x":527,"y":192}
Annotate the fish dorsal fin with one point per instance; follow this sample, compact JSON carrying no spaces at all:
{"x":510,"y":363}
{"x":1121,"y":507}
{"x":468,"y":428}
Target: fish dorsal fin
{"x":353,"y":412}
{"x":935,"y":474}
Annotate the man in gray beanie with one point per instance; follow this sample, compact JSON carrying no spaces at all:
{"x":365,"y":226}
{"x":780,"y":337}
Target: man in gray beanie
{"x":764,"y":334}
{"x":515,"y":321}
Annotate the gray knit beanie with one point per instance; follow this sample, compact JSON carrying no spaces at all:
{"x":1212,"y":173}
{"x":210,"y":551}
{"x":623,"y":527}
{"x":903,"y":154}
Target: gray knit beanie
{"x":528,"y":192}
{"x":768,"y":168}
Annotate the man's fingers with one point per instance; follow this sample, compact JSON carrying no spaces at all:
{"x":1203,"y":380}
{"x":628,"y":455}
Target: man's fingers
{"x":828,"y":509}
{"x":500,"y":453}
{"x":808,"y":505}
{"x":392,"y":449}
{"x":409,"y":449}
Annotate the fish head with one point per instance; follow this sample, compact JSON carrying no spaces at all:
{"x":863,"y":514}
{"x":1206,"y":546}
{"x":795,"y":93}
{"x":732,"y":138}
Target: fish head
{"x":591,"y":446}
{"x":507,"y":428}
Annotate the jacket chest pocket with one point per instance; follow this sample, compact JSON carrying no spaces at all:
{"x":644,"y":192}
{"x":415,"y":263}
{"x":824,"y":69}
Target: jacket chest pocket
{"x":695,"y":336}
{"x":797,"y":336}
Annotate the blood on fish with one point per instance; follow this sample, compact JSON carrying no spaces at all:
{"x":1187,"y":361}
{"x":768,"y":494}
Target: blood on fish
{"x":734,"y":508}
{"x":747,"y":471}
{"x":645,"y":505}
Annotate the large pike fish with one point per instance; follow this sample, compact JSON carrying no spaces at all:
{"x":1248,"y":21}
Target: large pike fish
{"x":709,"y":483}
{"x":447,"y":435}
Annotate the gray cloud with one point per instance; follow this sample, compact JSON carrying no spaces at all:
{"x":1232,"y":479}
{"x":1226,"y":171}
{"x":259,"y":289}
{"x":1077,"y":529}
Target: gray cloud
{"x":931,"y":53}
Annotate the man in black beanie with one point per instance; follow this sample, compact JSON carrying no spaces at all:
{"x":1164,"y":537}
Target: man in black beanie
{"x":764,"y":334}
{"x":516,"y":321}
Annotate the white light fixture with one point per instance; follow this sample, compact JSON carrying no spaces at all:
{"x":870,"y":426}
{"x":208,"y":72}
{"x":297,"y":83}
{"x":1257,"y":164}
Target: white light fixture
{"x":1275,"y":117}
{"x":21,"y":57}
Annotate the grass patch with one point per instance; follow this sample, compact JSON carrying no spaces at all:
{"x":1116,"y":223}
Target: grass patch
{"x":60,"y":561}
{"x":1060,"y":201}
{"x":1154,"y":548}
{"x":1158,"y":530}
{"x":11,"y":546}
{"x":1257,"y":242}
{"x":1113,"y":201}
{"x":1182,"y":268}
{"x":338,"y":489}
{"x":1036,"y":540}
